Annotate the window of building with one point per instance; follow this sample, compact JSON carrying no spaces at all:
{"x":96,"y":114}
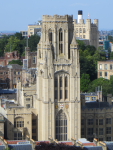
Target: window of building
{"x":100,"y":131}
{"x":27,"y":105}
{"x":50,"y":36}
{"x":80,"y":30}
{"x":34,"y":122}
{"x":108,"y":130}
{"x":105,"y":73}
{"x":34,"y":138}
{"x":84,"y":36}
{"x":18,"y":78}
{"x":84,"y":30}
{"x":55,"y":94}
{"x":110,"y":66}
{"x":18,"y":73}
{"x":60,"y":94}
{"x":90,"y":131}
{"x":1,"y":72}
{"x":66,"y":94}
{"x":14,"y":80}
{"x":77,"y":30}
{"x":105,"y":66}
{"x":33,"y":130}
{"x":56,"y":82}
{"x":82,"y":121}
{"x":60,"y":48}
{"x":90,"y":139}
{"x":108,"y":138}
{"x":33,"y":60}
{"x":96,"y":121}
{"x":18,"y":122}
{"x":17,"y":135}
{"x":66,"y":82}
{"x":80,"y":36}
{"x":27,"y":99}
{"x":6,"y":72}
{"x":82,"y":131}
{"x":60,"y":81}
{"x":61,"y":127}
{"x":108,"y":120}
{"x":14,"y":72}
{"x":100,"y":139}
{"x":100,"y":66}
{"x":31,"y":33}
{"x":93,"y":98}
{"x":96,"y":131}
{"x":90,"y":121}
{"x":100,"y":121}
{"x":87,"y":98}
{"x":100,"y":74}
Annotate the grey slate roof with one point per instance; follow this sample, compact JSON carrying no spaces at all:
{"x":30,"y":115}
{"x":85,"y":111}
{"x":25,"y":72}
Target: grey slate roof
{"x":97,"y":105}
{"x":92,"y":148}
{"x":8,"y":91}
{"x":20,"y":147}
{"x":109,"y":145}
{"x":2,"y":147}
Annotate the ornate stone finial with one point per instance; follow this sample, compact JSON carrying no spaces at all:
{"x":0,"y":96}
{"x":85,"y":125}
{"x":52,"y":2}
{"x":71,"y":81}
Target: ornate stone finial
{"x":74,"y":42}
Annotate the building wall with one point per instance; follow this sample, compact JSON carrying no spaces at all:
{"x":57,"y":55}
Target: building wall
{"x":87,"y":30}
{"x":105,"y":69}
{"x":51,"y":63}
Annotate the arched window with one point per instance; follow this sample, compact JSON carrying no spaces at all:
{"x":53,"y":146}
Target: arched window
{"x":61,"y":127}
{"x":56,"y":81}
{"x":60,"y":81}
{"x":50,"y":36}
{"x":66,"y":82}
{"x":18,"y":122}
{"x":60,"y":41}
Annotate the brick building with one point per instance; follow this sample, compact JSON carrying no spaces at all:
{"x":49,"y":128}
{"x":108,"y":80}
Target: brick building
{"x":8,"y":56}
{"x":9,"y":75}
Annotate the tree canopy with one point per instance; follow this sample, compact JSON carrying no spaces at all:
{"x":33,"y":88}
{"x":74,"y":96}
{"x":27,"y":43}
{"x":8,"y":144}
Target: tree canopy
{"x":15,"y":62}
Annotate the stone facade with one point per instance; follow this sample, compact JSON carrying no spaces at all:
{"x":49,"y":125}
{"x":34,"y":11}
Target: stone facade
{"x":97,"y":120}
{"x":105,"y":69}
{"x":9,"y":75}
{"x":51,"y":107}
{"x":87,"y":30}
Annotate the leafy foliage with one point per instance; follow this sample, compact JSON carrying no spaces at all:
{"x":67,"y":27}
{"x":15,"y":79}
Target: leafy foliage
{"x":16,"y":62}
{"x":84,"y":82}
{"x":18,"y":43}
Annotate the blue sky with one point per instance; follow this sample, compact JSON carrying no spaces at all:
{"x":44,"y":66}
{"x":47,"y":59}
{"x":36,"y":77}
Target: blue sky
{"x":15,"y":15}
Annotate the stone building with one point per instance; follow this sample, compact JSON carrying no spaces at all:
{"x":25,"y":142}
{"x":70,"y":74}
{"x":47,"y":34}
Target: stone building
{"x":9,"y":56}
{"x":97,"y":120}
{"x":9,"y":75}
{"x":87,"y":30}
{"x":105,"y":69}
{"x":51,"y":107}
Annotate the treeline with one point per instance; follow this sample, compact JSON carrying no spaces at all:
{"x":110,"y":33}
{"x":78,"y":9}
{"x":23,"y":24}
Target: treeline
{"x":89,"y":57}
{"x":18,"y":43}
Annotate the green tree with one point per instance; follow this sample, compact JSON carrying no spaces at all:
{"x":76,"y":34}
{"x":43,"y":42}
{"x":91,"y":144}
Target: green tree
{"x":33,"y":41}
{"x":106,"y":85}
{"x":111,"y":55}
{"x":15,"y":62}
{"x":84,"y":82}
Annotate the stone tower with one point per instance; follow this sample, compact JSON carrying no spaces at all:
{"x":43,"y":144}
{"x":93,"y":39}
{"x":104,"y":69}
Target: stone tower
{"x":58,"y":80}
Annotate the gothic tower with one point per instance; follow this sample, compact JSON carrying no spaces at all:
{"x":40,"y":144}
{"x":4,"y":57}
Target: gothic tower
{"x":58,"y":80}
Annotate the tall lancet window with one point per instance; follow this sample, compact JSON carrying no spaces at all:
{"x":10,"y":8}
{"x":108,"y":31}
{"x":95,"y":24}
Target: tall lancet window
{"x":66,"y":82}
{"x":56,"y":81}
{"x":61,"y":126}
{"x":50,"y":36}
{"x":60,"y":41}
{"x":60,"y":81}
